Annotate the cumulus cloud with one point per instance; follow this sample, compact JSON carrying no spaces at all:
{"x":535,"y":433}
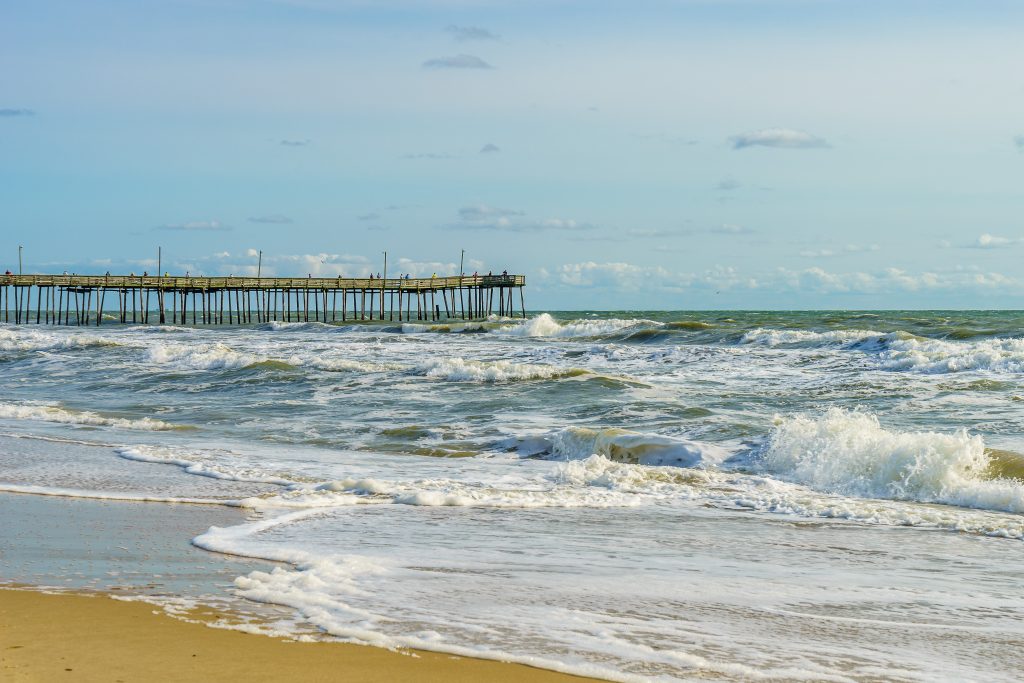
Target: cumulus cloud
{"x":987,"y":241}
{"x":295,"y":143}
{"x":199,"y":226}
{"x":16,"y":112}
{"x":785,"y":138}
{"x":489,"y":149}
{"x":427,"y":268}
{"x":318,"y":265}
{"x":457,"y":62}
{"x":631,"y":277}
{"x":467,"y":33}
{"x":274,"y":218}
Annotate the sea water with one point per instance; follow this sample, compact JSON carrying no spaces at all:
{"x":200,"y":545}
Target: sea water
{"x":630,"y":495}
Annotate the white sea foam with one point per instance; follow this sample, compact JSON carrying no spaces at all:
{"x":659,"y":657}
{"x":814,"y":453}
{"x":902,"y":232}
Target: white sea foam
{"x":418,"y":328}
{"x":329,"y":364}
{"x":106,"y":495}
{"x":201,"y":357}
{"x":222,"y":357}
{"x":23,"y":339}
{"x":462,"y":370}
{"x":775,"y":337}
{"x":51,"y":413}
{"x":850,"y":453}
{"x":939,"y":356}
{"x":199,"y":464}
{"x":545,"y":326}
{"x":621,"y":445}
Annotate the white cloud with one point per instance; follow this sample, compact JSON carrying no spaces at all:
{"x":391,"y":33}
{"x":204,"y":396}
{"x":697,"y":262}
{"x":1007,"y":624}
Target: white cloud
{"x":987,"y":241}
{"x":814,"y":280}
{"x":484,"y":217}
{"x":856,"y":248}
{"x":427,"y":268}
{"x":457,"y":62}
{"x":785,"y":138}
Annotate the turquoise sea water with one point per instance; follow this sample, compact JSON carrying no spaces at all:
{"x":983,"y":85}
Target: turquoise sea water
{"x":635,"y":495}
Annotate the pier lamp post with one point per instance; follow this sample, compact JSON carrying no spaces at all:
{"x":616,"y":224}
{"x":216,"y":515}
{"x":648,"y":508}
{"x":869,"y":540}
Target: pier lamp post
{"x":385,"y":265}
{"x":259,"y":265}
{"x":19,"y":259}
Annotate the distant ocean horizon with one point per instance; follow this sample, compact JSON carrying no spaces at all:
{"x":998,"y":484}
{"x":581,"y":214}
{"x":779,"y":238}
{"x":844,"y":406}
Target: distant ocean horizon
{"x":634,"y":495}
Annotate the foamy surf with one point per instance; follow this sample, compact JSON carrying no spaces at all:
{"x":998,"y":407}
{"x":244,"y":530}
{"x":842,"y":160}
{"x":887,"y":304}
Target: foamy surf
{"x":850,"y":453}
{"x":20,"y":339}
{"x":544,"y":325}
{"x":936,"y":356}
{"x":86,"y":418}
{"x":462,"y":370}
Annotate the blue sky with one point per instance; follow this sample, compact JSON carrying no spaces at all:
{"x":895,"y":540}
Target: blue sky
{"x":686,"y":154}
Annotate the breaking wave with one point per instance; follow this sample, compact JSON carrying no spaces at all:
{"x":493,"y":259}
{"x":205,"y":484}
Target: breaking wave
{"x":546,"y":326}
{"x":33,"y":340}
{"x":772,"y":337}
{"x":221,"y":357}
{"x":850,"y":453}
{"x":936,"y":356}
{"x":462,"y":370}
{"x":621,"y":446}
{"x":47,"y":413}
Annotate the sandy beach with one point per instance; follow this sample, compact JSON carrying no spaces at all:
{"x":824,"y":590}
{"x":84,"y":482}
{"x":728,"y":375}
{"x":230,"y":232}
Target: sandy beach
{"x":102,"y":549}
{"x":47,"y":637}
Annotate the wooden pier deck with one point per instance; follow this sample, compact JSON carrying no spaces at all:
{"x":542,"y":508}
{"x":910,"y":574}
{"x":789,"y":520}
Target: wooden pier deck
{"x":137,"y":299}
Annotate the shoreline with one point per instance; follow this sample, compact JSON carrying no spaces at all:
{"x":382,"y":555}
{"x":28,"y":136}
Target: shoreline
{"x":94,"y":637}
{"x":114,"y":590}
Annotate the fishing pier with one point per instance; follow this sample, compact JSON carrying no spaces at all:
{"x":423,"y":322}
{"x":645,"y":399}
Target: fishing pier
{"x":145,"y":299}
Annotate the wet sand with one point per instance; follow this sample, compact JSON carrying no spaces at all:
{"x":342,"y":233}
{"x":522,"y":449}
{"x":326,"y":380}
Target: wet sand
{"x":46,"y":637}
{"x":97,"y":549}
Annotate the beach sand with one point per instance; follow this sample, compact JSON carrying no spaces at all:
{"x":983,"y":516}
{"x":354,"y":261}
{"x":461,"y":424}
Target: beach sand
{"x":95,"y":549}
{"x":67,"y":637}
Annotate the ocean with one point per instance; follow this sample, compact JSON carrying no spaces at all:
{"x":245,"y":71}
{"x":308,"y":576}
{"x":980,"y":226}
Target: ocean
{"x":631,"y":495}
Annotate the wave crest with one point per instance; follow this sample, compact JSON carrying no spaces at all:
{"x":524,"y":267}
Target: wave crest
{"x":936,"y":356}
{"x":462,"y":370}
{"x":48,"y":413}
{"x":850,"y":453}
{"x":545,"y":326}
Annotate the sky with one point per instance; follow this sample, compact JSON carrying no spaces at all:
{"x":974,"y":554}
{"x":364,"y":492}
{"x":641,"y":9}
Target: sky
{"x":672,"y":154}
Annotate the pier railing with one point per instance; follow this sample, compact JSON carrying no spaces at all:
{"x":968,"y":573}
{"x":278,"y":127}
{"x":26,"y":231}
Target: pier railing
{"x":232,"y":282}
{"x":79,"y":299}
